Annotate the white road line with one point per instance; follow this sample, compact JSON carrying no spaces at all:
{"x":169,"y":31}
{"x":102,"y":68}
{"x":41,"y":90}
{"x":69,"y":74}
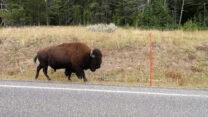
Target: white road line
{"x":105,"y":91}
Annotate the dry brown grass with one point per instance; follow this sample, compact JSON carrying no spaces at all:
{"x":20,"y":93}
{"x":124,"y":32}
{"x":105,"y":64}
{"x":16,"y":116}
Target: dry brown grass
{"x":176,"y":54}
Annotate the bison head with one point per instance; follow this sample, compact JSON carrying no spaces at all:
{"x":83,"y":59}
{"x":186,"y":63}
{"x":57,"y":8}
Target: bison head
{"x":96,"y":59}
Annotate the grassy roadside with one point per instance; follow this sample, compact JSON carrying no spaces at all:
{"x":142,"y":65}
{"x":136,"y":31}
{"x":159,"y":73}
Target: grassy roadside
{"x":180,"y":59}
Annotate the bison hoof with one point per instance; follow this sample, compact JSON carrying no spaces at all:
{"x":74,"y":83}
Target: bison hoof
{"x":85,"y":80}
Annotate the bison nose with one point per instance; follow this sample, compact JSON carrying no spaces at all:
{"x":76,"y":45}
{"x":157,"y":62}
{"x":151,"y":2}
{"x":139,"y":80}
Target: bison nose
{"x":93,"y":70}
{"x":98,"y":66}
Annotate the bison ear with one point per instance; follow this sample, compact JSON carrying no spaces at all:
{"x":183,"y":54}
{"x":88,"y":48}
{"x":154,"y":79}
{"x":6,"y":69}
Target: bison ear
{"x":91,"y":54}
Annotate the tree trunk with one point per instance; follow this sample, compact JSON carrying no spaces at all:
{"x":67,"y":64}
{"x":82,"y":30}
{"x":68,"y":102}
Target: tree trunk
{"x":59,"y":17}
{"x":181,"y":13}
{"x":38,"y":15}
{"x":164,"y":2}
{"x":1,"y":6}
{"x":175,"y":10}
{"x":47,"y":22}
{"x":148,"y":2}
{"x":204,"y":11}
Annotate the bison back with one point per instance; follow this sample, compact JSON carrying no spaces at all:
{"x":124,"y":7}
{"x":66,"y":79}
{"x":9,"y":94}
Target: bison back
{"x":67,"y":55}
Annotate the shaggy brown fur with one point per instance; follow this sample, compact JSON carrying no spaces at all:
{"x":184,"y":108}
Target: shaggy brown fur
{"x":73,"y":57}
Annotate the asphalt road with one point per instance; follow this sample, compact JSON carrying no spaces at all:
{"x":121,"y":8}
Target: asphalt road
{"x":52,"y":99}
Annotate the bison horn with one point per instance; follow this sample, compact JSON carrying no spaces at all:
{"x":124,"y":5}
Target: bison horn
{"x":91,"y":54}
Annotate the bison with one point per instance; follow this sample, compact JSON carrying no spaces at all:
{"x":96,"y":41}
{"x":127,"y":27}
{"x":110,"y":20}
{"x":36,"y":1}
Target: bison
{"x":74,"y":57}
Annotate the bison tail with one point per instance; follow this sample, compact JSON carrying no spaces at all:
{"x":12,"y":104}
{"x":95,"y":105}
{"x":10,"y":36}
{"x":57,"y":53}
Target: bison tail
{"x":35,"y":59}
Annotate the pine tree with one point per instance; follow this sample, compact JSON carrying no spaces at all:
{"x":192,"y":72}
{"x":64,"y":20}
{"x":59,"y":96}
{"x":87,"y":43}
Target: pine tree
{"x":156,"y":15}
{"x":126,"y":12}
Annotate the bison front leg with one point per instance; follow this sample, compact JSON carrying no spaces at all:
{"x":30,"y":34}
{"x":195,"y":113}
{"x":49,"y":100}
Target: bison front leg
{"x":81,"y":75}
{"x":68,"y":73}
{"x":84,"y":78}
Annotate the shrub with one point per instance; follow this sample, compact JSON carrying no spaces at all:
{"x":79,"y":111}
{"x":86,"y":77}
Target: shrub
{"x":190,"y":26}
{"x":102,"y":27}
{"x":196,"y":68}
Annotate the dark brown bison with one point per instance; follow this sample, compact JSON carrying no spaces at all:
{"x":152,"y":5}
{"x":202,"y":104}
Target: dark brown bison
{"x":73,"y":57}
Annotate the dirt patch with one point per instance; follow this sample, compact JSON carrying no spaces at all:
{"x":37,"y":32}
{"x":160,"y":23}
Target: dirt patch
{"x":202,"y":47}
{"x":2,"y":39}
{"x":173,"y":74}
{"x":192,"y":56}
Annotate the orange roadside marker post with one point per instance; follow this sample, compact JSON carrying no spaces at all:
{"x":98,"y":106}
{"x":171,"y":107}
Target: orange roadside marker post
{"x":150,"y":60}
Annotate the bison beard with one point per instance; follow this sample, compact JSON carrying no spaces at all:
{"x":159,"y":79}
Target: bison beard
{"x":73,"y":57}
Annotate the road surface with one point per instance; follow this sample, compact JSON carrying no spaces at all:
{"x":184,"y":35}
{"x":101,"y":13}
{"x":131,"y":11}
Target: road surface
{"x":52,"y":99}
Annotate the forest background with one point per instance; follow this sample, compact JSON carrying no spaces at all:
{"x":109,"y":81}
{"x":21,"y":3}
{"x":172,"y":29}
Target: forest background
{"x":146,"y":14}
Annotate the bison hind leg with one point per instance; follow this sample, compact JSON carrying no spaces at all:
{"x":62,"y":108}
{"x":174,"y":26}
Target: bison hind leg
{"x":45,"y":69}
